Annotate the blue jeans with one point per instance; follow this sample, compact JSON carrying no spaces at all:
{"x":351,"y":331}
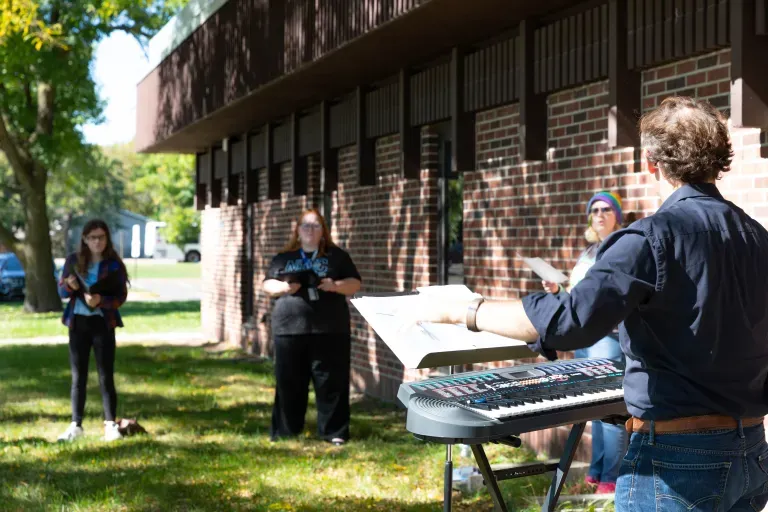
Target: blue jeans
{"x":609,"y":442}
{"x":724,"y":470}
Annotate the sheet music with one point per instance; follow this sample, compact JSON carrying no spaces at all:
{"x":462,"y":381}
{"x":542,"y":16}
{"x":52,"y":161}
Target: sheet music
{"x":429,"y":345}
{"x":544,"y":270}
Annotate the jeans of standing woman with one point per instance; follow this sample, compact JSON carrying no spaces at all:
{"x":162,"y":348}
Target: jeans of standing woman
{"x":700,"y":471}
{"x":609,"y":442}
{"x":324,"y":359}
{"x":87,"y":332}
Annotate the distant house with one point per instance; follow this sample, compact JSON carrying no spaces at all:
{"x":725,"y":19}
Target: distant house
{"x":121,"y":228}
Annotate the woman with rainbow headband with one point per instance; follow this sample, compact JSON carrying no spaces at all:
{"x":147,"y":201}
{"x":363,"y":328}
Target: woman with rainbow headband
{"x":609,"y":442}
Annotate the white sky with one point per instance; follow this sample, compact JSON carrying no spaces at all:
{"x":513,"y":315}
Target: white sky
{"x":118,"y":66}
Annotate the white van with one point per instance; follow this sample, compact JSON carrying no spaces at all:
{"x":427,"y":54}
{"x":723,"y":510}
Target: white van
{"x":157,"y":247}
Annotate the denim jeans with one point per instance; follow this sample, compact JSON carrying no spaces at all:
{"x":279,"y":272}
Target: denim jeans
{"x":609,"y":442}
{"x":724,"y":470}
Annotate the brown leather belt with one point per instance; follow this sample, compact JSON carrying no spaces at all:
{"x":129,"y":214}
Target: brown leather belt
{"x":690,"y":424}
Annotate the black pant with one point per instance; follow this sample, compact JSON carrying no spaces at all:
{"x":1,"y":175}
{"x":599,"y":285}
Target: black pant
{"x":325,"y":359}
{"x":87,"y":332}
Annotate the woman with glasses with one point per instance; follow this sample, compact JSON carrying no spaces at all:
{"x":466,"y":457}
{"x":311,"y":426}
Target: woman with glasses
{"x":311,"y":280}
{"x":609,"y":442}
{"x":92,"y":318}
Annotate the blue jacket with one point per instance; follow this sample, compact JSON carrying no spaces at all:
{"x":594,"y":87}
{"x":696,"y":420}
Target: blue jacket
{"x":689,"y":285}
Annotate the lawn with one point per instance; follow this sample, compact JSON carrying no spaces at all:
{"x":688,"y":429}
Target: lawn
{"x":139,"y":317}
{"x":208,"y":449}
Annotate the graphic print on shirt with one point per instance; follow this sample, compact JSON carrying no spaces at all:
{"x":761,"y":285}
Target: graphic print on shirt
{"x":319,"y":265}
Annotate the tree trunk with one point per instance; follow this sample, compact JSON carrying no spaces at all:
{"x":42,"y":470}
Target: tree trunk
{"x":41,"y":291}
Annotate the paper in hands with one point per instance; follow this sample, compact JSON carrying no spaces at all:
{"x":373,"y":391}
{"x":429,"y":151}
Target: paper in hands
{"x":429,"y":345}
{"x":544,"y":270}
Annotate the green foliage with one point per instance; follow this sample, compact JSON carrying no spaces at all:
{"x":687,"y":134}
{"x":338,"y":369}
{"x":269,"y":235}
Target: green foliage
{"x":46,"y":94}
{"x":161,"y":187}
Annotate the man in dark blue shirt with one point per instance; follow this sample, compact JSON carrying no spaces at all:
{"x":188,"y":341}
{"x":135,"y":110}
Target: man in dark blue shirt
{"x":689,"y":288}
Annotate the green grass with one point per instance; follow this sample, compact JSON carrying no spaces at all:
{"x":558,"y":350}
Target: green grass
{"x":208,"y":449}
{"x":138,"y":317}
{"x":148,"y":270}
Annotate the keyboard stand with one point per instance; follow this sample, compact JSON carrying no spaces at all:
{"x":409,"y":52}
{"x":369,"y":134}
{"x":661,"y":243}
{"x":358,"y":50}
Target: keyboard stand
{"x":492,"y":478}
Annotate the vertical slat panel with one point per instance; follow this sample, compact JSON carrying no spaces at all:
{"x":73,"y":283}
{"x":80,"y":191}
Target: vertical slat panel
{"x":679,"y":28}
{"x":722,"y":23}
{"x":532,"y":106}
{"x":624,"y":84}
{"x":701,"y":25}
{"x":572,"y":51}
{"x":564,"y":53}
{"x":711,"y":24}
{"x":538,"y":64}
{"x":504,"y":66}
{"x":631,"y":33}
{"x":579,"y":44}
{"x":658,"y":30}
{"x":366,"y":148}
{"x":588,"y":33}
{"x":605,"y":45}
{"x":597,"y":40}
{"x":274,"y":184}
{"x":329,"y":157}
{"x":410,"y":143}
{"x":690,"y":27}
{"x":491,"y":75}
{"x":550,"y":57}
{"x":639,"y":33}
{"x":648,"y":29}
{"x":237,"y":158}
{"x":299,"y":167}
{"x":761,"y":25}
{"x":556,"y":79}
{"x":462,"y":123}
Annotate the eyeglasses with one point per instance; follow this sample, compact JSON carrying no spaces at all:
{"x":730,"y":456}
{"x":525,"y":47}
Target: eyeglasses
{"x":95,"y":238}
{"x":605,"y":210}
{"x":309,"y":226}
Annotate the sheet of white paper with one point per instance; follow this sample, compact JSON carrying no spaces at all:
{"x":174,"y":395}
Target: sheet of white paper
{"x":428,"y":344}
{"x":545,"y":271}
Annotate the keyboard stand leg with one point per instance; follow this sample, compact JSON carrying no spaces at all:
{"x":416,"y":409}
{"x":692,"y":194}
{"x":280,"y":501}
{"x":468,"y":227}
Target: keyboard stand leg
{"x":448,"y":478}
{"x":490,"y":479}
{"x":562,"y":468}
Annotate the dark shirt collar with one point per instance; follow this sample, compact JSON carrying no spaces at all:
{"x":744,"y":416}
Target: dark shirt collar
{"x":691,"y":190}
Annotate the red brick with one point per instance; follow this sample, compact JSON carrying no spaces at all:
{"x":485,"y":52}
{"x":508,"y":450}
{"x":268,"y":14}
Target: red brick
{"x":685,"y":67}
{"x":718,"y":74}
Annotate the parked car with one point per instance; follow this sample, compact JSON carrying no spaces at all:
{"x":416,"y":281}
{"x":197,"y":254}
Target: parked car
{"x":163,"y":250}
{"x":12,"y":277}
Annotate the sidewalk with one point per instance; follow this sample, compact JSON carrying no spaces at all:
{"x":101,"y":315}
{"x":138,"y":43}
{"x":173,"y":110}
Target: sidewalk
{"x":192,"y":339}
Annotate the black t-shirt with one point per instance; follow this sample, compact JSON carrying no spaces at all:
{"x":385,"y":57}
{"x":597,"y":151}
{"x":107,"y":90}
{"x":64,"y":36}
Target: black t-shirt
{"x":296,"y":314}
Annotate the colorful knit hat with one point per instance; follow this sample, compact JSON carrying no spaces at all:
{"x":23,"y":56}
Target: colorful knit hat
{"x":613,"y":199}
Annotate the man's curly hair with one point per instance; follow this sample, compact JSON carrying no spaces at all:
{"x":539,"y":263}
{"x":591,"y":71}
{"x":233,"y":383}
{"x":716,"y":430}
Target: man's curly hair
{"x":688,"y":139}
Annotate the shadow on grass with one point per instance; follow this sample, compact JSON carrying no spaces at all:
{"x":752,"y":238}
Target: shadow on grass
{"x":36,"y":372}
{"x":146,"y":308}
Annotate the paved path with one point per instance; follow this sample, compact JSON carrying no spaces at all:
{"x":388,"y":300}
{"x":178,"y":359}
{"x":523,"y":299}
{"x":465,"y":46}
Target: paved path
{"x":164,"y":290}
{"x":193,"y":338}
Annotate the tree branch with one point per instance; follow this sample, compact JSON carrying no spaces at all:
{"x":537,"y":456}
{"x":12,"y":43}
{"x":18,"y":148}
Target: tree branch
{"x":8,"y":239}
{"x":19,"y":163}
{"x":134,"y":30}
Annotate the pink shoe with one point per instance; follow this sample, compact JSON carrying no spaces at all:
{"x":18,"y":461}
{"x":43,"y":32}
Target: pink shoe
{"x":605,"y":488}
{"x":590,"y":480}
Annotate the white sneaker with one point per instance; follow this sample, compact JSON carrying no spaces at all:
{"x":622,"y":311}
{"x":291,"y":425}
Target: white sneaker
{"x":111,"y":432}
{"x":73,"y":432}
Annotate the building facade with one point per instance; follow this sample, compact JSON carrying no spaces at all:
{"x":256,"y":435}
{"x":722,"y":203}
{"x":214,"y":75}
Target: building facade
{"x":375,"y":111}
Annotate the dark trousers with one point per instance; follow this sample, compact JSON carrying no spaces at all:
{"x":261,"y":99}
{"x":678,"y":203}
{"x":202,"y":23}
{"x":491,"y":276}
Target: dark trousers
{"x":323,"y":358}
{"x":87,"y":332}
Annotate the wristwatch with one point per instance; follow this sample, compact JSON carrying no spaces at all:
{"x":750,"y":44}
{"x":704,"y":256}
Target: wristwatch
{"x":472,"y":314}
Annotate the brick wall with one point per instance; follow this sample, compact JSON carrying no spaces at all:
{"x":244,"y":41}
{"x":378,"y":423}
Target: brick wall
{"x":536,"y":208}
{"x":222,"y":244}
